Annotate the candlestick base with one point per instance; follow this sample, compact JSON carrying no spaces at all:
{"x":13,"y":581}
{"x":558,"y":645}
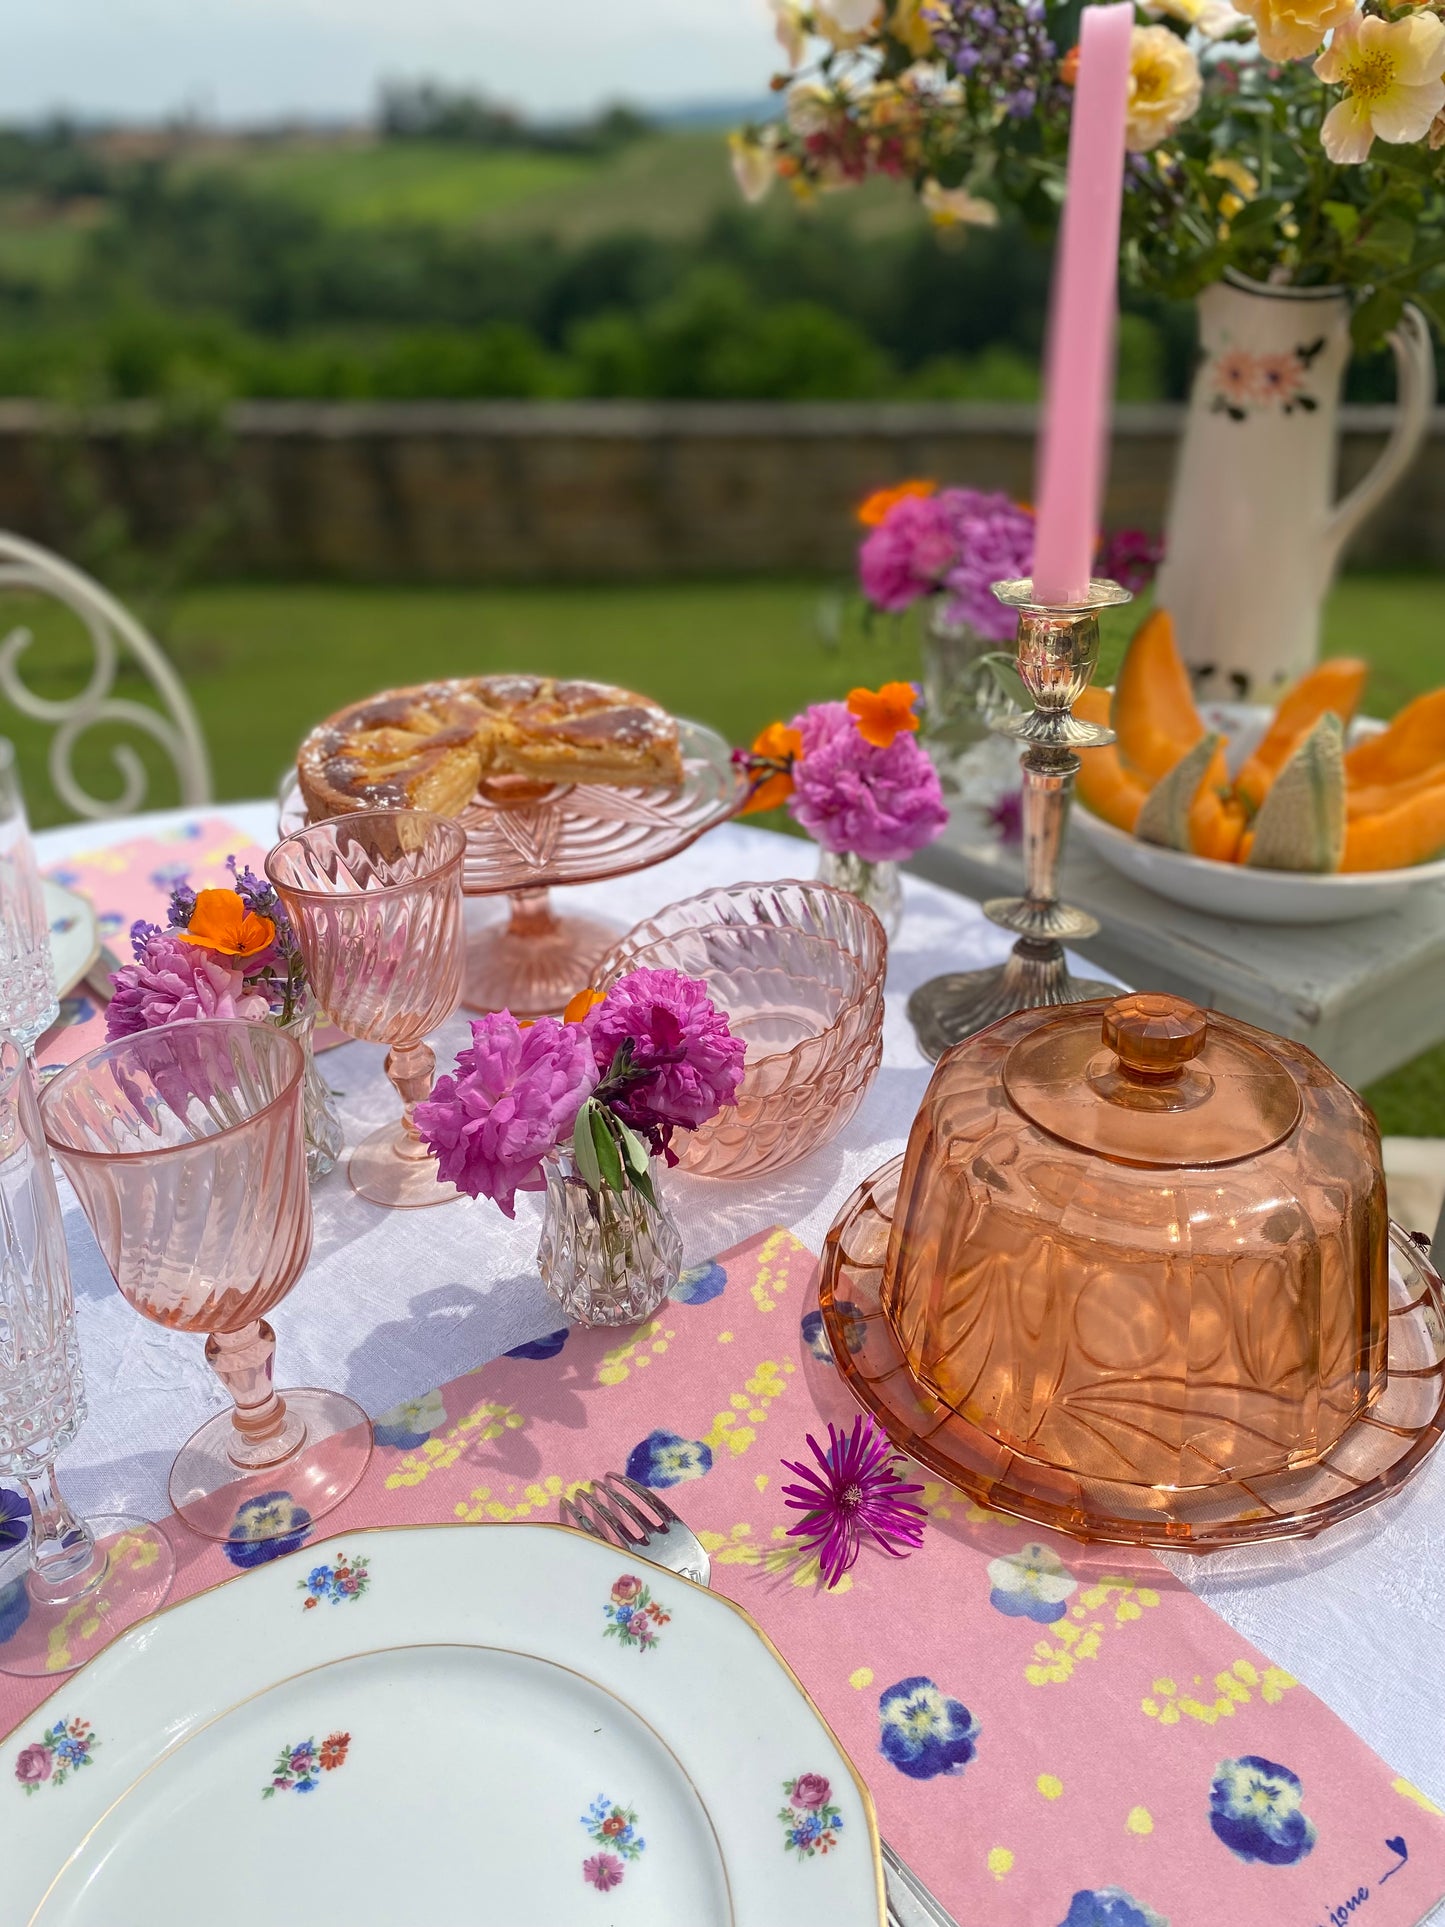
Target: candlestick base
{"x":947,"y":1009}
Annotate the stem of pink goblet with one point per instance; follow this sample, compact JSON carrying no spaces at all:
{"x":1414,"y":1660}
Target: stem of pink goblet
{"x":244,"y":1361}
{"x":410,"y":1068}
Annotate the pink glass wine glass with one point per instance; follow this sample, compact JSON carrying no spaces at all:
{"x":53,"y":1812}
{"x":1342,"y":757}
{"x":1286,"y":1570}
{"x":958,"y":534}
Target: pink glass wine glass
{"x":376,"y":901}
{"x":186,"y":1146}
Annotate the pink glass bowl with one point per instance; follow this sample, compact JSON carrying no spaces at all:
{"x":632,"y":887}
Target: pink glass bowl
{"x":798,"y":969}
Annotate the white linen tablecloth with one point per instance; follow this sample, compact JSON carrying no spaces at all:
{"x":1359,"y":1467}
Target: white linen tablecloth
{"x":395,"y":1302}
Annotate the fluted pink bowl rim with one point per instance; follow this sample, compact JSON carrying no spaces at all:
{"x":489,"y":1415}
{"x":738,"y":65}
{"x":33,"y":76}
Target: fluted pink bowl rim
{"x":614,"y":964}
{"x":311,"y":830}
{"x":117,"y":1045}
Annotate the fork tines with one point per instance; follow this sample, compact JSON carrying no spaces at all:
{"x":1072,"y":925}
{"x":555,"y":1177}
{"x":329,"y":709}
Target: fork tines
{"x":608,"y":1512}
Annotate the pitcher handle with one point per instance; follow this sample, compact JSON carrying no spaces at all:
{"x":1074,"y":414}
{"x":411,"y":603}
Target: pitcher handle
{"x":1414,"y":404}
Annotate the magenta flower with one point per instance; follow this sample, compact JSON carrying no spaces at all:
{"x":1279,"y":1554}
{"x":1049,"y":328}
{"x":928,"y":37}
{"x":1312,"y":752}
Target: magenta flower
{"x":602,"y":1871}
{"x":514,"y":1096}
{"x":171,"y":981}
{"x":684,"y":1064}
{"x":995,"y":543}
{"x":909,"y":553}
{"x":855,"y":1489}
{"x":810,"y":1791}
{"x":1131,"y":557}
{"x":852,"y":797}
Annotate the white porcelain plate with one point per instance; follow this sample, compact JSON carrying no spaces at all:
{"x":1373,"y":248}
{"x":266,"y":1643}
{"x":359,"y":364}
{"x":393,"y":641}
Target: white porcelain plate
{"x":74,"y":935}
{"x":510,"y":1725}
{"x":1234,"y":890}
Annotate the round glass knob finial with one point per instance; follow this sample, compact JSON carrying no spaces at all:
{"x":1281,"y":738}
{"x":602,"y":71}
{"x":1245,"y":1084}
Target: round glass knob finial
{"x":1154,"y":1034}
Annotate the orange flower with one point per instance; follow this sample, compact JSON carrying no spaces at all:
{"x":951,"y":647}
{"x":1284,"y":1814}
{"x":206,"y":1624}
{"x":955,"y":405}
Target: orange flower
{"x":1069,"y":68}
{"x":875,"y":507}
{"x":884,"y":713}
{"x":221,"y":922}
{"x":775,"y":750}
{"x":333,"y":1750}
{"x":579,"y":1006}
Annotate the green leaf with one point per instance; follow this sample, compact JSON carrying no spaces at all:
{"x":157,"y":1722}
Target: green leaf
{"x":1342,"y":217}
{"x":634,"y":1151}
{"x":641,"y":1181}
{"x":1375,"y":317}
{"x":588,"y":1168}
{"x":608,"y":1161}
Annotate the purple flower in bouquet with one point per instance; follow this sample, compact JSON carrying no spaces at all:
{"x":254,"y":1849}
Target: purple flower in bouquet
{"x":514,"y":1096}
{"x":908,"y":554}
{"x":666,"y":1054}
{"x":855,"y":1488}
{"x":171,"y":981}
{"x":994,"y":542}
{"x":1131,"y":557}
{"x":854,"y":798}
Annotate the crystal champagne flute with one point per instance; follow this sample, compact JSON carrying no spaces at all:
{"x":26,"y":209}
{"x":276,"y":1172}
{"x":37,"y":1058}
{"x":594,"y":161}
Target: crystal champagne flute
{"x":28,"y":1003}
{"x":376,"y":901}
{"x":77,"y":1581}
{"x":186,"y":1146}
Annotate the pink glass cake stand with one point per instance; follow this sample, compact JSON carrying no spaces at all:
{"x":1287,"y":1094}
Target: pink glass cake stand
{"x":526,"y":838}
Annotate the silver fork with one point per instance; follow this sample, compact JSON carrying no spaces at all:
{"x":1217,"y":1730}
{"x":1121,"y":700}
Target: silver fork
{"x":619,"y":1511}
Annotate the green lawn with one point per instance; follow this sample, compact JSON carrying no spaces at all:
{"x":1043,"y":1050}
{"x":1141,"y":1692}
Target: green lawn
{"x":264,"y":662}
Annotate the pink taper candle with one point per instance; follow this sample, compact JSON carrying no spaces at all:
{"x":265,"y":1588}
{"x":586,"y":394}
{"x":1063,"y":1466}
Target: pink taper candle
{"x":1080,"y":371}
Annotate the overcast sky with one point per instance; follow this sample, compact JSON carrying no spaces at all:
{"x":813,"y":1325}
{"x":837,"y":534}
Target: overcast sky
{"x":248,"y":59}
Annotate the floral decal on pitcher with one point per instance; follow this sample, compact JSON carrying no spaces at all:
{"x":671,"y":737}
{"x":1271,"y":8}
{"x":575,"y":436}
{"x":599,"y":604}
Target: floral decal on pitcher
{"x":614,"y":1829}
{"x":633,"y":1615}
{"x":347,"y":1579}
{"x":298,"y":1769}
{"x":811,"y":1820}
{"x":1246,"y":384}
{"x":61,"y":1750}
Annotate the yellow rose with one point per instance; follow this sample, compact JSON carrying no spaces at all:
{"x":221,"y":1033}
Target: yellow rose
{"x":956,"y":207}
{"x":754,"y":163}
{"x":910,"y":25}
{"x":1294,"y":29}
{"x":846,"y":23}
{"x":1164,"y":87}
{"x":1391,"y":72}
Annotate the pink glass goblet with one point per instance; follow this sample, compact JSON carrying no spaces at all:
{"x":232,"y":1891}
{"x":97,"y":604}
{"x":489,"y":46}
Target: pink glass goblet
{"x":186,"y":1146}
{"x":376,"y":901}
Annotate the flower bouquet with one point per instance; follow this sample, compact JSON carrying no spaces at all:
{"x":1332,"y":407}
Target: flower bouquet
{"x":853,"y":776}
{"x":227,"y":953}
{"x":583,"y":1107}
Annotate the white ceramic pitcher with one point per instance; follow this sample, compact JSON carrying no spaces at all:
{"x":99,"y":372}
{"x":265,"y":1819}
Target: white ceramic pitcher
{"x":1254,"y":535}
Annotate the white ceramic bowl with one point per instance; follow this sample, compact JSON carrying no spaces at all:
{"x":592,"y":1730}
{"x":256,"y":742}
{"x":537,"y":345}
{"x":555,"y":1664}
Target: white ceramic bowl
{"x":1234,"y":890}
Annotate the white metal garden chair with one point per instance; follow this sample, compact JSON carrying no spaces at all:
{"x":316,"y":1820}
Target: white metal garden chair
{"x":113,"y":632}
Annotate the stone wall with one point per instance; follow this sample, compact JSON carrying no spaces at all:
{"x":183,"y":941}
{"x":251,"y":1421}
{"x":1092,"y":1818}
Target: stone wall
{"x":584,"y":490}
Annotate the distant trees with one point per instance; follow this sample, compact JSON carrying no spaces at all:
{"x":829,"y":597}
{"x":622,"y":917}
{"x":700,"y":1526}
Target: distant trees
{"x":425,"y":110}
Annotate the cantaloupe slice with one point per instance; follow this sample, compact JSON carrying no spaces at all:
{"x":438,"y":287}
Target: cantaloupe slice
{"x":1375,"y":799}
{"x":1301,"y":823}
{"x":1103,"y":785}
{"x":1165,"y":815}
{"x":1335,"y":685}
{"x":1153,"y":709}
{"x":1413,"y":832}
{"x":1414,"y":741}
{"x":1217,"y":819}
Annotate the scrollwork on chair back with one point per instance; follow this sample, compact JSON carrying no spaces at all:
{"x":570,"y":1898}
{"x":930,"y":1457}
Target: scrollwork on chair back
{"x":112,"y":631}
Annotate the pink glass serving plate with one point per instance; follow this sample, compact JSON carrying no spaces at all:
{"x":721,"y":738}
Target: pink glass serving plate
{"x":439,"y":1724}
{"x":1373,"y":1458}
{"x":526,"y":838}
{"x":798,"y":969}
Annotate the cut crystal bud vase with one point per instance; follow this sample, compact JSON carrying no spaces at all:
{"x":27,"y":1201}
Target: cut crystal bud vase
{"x":319,"y":1119}
{"x":876,"y":884}
{"x":608,"y":1257}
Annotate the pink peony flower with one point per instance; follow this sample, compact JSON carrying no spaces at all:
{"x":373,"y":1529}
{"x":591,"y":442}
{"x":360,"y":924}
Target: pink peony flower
{"x":602,"y":1870}
{"x":691,"y":1063}
{"x":515,"y":1095}
{"x":810,"y":1791}
{"x":877,"y":804}
{"x":994,"y":542}
{"x":172,"y":981}
{"x":909,"y":552}
{"x":32,"y":1765}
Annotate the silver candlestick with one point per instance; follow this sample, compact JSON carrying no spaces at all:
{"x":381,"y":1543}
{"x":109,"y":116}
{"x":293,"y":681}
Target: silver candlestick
{"x":1058,"y":647}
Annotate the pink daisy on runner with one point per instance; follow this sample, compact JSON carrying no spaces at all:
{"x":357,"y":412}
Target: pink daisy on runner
{"x":856,"y":1488}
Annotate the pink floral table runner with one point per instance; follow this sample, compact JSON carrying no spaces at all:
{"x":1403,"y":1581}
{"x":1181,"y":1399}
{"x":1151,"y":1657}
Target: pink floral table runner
{"x":1054,"y":1735}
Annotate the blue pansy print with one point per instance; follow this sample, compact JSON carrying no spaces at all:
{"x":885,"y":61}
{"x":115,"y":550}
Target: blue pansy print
{"x":1110,"y":1907}
{"x":1032,"y":1583}
{"x":266,"y":1528}
{"x":665,"y":1459}
{"x":815,"y":1335}
{"x":700,"y":1284}
{"x":411,"y":1423}
{"x":14,"y":1516}
{"x":547,"y":1347}
{"x":1254,"y":1808}
{"x":14,"y":1608}
{"x":924,"y":1732}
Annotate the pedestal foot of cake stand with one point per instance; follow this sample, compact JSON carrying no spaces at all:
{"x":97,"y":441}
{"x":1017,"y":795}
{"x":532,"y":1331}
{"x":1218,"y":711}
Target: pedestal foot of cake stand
{"x":534,"y":962}
{"x":947,"y":1009}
